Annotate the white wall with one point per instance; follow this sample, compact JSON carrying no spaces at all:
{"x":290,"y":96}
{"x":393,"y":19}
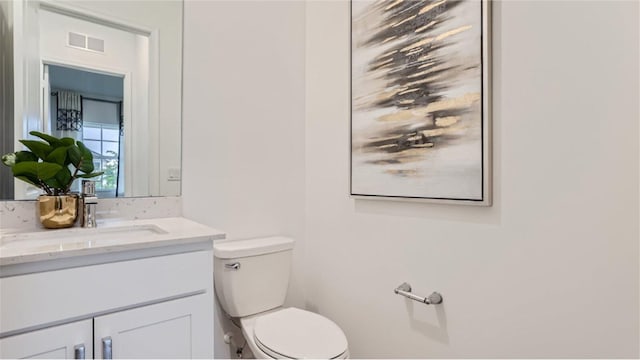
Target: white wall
{"x":244,"y":123}
{"x":551,"y":270}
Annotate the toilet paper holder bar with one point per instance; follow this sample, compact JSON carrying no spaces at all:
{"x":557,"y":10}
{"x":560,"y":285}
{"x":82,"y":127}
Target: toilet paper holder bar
{"x":405,"y":290}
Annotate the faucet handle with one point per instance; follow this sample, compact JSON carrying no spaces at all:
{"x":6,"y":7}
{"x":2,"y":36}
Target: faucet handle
{"x":90,"y":199}
{"x":88,"y":188}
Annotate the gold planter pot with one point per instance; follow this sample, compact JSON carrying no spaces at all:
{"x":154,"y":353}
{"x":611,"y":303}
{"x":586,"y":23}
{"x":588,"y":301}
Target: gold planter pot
{"x":57,"y":212}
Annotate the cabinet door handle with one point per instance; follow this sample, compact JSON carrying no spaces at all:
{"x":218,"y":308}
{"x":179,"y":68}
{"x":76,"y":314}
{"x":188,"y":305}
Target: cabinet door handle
{"x":78,"y":352}
{"x":107,"y":348}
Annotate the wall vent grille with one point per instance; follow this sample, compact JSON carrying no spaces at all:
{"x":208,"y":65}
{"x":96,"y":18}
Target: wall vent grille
{"x":77,"y":40}
{"x":95,"y":44}
{"x":85,"y":42}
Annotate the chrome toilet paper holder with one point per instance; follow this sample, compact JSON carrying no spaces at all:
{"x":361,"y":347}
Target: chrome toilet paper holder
{"x":405,"y":290}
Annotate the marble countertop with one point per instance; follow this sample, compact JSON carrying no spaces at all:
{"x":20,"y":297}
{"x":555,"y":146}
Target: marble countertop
{"x":112,"y":235}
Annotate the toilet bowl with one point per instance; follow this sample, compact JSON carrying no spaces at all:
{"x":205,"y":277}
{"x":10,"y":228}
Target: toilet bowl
{"x":291,"y":333}
{"x":251,"y":279}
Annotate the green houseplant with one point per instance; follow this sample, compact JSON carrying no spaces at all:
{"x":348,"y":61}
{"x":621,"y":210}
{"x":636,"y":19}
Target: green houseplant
{"x":53,"y":165}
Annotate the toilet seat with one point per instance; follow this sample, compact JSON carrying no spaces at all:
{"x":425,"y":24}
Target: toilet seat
{"x":293,"y":333}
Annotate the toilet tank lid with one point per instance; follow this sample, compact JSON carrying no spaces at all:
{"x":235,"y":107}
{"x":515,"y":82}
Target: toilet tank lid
{"x":233,"y":249}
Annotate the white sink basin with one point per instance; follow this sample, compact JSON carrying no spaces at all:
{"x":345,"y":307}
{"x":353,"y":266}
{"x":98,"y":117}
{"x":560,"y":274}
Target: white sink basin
{"x":109,"y":237}
{"x":76,"y":238}
{"x":83,"y":234}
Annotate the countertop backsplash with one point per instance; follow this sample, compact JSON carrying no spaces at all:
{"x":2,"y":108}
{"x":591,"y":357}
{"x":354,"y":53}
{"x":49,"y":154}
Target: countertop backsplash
{"x":22,"y":214}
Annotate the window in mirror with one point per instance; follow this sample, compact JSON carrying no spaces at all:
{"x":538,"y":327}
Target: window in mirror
{"x":104,"y":142}
{"x":87,"y":106}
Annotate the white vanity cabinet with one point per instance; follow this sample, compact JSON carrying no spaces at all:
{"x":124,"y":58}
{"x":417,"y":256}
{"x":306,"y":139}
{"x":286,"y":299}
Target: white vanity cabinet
{"x":160,"y":331}
{"x":145,"y":303}
{"x":69,"y":341}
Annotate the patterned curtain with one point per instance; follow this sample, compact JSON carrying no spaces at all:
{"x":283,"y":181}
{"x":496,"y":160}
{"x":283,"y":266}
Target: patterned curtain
{"x":69,"y":111}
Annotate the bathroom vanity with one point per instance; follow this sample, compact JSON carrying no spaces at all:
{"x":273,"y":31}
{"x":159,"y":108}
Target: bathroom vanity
{"x":128,"y":289}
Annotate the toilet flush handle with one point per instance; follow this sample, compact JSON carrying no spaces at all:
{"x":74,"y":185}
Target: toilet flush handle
{"x":233,"y":266}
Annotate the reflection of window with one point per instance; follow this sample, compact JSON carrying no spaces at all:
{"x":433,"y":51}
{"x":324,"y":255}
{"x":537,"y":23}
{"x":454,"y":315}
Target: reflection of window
{"x":102,"y":139}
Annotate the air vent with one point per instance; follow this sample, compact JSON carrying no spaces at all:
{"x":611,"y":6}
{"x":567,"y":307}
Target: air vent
{"x":77,"y":40}
{"x":95,"y":44}
{"x":84,"y":42}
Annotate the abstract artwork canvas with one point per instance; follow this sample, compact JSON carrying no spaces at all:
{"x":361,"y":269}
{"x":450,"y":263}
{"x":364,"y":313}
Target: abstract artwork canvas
{"x":420,"y":100}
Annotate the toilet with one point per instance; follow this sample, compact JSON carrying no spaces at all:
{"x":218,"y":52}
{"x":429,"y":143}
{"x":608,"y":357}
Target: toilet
{"x":251,"y":279}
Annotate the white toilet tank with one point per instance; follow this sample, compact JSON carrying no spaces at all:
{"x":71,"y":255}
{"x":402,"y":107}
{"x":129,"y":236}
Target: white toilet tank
{"x":251,"y":276}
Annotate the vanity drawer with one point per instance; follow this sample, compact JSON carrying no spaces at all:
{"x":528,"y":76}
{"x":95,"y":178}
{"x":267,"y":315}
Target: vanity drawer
{"x":38,"y":300}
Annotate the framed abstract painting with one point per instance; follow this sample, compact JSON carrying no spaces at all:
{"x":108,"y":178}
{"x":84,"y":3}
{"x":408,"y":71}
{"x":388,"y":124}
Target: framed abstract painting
{"x":420,"y":100}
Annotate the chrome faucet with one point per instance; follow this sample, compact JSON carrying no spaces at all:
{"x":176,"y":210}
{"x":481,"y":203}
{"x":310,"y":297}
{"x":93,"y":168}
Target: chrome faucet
{"x":89,"y":202}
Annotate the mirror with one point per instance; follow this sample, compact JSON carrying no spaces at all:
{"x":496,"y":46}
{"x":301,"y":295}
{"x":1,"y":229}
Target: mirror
{"x":107,"y":73}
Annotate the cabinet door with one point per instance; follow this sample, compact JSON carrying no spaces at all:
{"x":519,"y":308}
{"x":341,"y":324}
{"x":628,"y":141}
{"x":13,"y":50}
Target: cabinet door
{"x":173,"y":329}
{"x":58,"y":342}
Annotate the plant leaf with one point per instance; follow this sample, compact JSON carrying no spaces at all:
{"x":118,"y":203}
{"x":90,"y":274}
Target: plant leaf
{"x":86,"y":165}
{"x":41,"y":149}
{"x":26,"y":168}
{"x":41,"y":171}
{"x":52,"y":140}
{"x":64,"y":178}
{"x":67,"y":141}
{"x":25,"y":156}
{"x":58,"y":156}
{"x":55,"y":184}
{"x":74,"y":155}
{"x":87,"y":176}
